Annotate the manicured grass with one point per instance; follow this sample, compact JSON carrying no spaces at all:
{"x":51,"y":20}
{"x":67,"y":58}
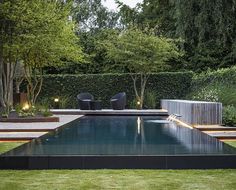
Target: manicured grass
{"x":119,"y":179}
{"x":233,"y":143}
{"x":6,"y":146}
{"x":115,"y":179}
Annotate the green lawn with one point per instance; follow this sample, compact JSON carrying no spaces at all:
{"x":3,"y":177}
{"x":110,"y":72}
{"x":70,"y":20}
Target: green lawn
{"x":115,"y":179}
{"x":233,"y":143}
{"x":119,"y":179}
{"x":5,"y":146}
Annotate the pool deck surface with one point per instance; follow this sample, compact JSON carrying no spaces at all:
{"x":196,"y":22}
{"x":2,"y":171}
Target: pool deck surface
{"x":157,"y":112}
{"x":28,"y":131}
{"x":214,"y":128}
{"x":217,"y":131}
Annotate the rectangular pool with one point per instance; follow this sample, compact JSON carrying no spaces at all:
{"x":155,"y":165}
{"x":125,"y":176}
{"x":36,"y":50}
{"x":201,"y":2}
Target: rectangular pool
{"x":122,"y":142}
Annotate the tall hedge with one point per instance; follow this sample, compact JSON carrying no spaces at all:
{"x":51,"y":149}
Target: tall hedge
{"x":104,"y":86}
{"x":219,"y":86}
{"x":220,"y":76}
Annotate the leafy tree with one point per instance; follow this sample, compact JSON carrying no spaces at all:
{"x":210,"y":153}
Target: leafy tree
{"x":159,"y":14}
{"x":93,"y":21}
{"x":142,"y":53}
{"x":9,"y":49}
{"x":98,"y":62}
{"x":91,"y":15}
{"x":46,"y":44}
{"x":128,"y":16}
{"x":155,"y":14}
{"x":39,"y":34}
{"x":207,"y":27}
{"x":209,"y":31}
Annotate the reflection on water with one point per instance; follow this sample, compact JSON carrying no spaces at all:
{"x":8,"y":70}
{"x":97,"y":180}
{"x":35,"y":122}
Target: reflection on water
{"x":123,"y":135}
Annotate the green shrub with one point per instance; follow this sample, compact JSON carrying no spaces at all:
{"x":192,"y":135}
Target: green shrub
{"x":64,"y":101}
{"x":229,"y":115}
{"x":150,"y":99}
{"x":133,"y":104}
{"x":46,"y":112}
{"x":219,"y":86}
{"x":104,"y":86}
{"x":222,"y":76}
{"x":216,"y":93}
{"x":38,"y":109}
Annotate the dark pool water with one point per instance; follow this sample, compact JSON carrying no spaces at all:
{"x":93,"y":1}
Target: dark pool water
{"x":124,"y":135}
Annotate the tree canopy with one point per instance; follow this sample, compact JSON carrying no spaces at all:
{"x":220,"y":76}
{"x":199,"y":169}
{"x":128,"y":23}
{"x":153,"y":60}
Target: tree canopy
{"x":39,"y":34}
{"x":207,"y":27}
{"x":142,"y":53}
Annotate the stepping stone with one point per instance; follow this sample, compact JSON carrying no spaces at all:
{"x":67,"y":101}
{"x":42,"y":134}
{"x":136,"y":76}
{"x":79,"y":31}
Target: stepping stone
{"x":223,"y":135}
{"x":214,"y":128}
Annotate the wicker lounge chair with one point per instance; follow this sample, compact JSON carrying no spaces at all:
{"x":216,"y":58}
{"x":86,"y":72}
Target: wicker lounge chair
{"x":84,"y":100}
{"x":118,"y":102}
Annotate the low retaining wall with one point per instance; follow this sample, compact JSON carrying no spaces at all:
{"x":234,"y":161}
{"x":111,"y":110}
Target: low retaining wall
{"x":195,"y":112}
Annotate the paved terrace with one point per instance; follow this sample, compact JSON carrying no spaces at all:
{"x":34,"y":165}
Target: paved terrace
{"x":28,"y":131}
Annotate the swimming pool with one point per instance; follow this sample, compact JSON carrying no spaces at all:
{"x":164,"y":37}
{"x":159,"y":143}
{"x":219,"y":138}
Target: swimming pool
{"x":124,"y":142}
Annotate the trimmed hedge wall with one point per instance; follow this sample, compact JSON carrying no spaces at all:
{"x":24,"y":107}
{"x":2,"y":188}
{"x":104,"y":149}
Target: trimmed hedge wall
{"x":104,"y":86}
{"x":221,"y":76}
{"x":218,"y":85}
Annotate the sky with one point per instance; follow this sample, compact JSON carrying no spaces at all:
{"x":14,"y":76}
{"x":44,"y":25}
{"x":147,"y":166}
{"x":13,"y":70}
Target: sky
{"x":110,"y":4}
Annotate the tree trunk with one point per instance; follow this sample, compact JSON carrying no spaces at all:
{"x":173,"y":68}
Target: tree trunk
{"x":35,"y":83}
{"x":2,"y":103}
{"x":7,"y":85}
{"x":143,"y":81}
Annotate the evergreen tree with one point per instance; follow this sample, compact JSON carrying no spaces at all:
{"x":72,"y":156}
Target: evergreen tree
{"x":207,"y":27}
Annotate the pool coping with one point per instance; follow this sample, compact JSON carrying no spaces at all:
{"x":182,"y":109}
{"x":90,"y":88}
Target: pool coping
{"x":119,"y":162}
{"x":110,"y":112}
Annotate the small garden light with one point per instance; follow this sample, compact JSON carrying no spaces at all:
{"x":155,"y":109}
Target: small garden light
{"x":26,"y":107}
{"x":56,"y":100}
{"x":56,"y":103}
{"x":138,"y":104}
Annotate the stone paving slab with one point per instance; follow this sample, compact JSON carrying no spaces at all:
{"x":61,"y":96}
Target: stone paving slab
{"x":222,"y":134}
{"x":214,"y":128}
{"x":217,"y":133}
{"x":28,"y":131}
{"x":20,"y":135}
{"x":48,"y":126}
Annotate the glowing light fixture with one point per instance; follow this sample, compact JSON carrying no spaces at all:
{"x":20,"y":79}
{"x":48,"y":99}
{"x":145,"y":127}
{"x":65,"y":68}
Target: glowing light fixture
{"x":56,"y":100}
{"x":26,"y":107}
{"x":56,"y":103}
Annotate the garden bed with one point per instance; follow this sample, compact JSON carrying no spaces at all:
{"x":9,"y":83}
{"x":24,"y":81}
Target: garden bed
{"x":14,"y":118}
